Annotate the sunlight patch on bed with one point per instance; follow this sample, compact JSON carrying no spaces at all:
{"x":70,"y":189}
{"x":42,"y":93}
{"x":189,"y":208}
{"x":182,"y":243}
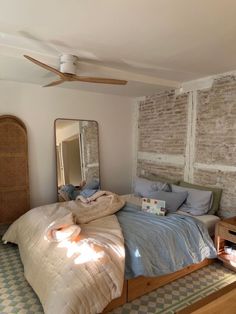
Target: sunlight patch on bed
{"x":85,"y":251}
{"x":136,"y":253}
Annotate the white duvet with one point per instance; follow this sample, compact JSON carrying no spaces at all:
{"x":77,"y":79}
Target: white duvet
{"x":72,"y":276}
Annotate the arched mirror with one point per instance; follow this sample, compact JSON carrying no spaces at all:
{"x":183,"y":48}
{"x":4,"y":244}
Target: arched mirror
{"x":77,"y":153}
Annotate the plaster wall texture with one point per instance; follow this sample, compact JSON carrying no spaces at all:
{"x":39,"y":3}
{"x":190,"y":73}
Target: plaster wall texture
{"x":38,"y":107}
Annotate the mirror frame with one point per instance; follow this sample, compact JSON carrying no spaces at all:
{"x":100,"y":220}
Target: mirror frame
{"x":55,"y":148}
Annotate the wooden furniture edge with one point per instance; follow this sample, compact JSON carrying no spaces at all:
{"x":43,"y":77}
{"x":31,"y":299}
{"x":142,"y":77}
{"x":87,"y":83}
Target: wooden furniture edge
{"x":14,"y":118}
{"x":225,"y":230}
{"x":210,"y":298}
{"x":137,"y":287}
{"x":118,"y":301}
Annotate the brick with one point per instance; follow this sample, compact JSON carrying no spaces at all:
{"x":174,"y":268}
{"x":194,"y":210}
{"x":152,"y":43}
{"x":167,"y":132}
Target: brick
{"x":167,"y":171}
{"x":91,"y":153}
{"x":216,"y":123}
{"x":163,"y":130}
{"x":163,"y":123}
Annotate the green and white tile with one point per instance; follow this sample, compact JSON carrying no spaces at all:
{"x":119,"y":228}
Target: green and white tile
{"x":16,"y":295}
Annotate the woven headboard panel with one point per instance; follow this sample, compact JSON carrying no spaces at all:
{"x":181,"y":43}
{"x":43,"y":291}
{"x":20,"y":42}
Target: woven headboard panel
{"x":14,"y":178}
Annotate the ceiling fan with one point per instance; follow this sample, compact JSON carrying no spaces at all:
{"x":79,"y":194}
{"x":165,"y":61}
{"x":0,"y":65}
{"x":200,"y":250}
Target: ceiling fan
{"x":67,"y":72}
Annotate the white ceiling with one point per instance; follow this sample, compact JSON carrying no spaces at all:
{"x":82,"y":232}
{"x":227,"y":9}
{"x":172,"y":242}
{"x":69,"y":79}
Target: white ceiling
{"x":151,"y":43}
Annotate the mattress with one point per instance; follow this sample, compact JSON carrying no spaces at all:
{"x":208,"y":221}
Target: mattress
{"x":208,"y":220}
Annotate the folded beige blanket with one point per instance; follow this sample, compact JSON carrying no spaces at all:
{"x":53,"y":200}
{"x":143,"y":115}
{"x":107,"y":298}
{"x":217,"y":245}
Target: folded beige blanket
{"x":80,"y":275}
{"x":107,"y":203}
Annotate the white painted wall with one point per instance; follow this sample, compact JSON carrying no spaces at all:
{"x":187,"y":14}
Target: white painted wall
{"x":39,"y":107}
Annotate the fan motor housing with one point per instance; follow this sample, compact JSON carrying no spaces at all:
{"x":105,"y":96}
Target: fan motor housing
{"x":68,"y":63}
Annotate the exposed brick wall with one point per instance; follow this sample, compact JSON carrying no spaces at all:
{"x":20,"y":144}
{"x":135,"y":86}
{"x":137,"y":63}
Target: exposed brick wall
{"x":216,"y":139}
{"x":162,"y":123}
{"x":91,"y":150}
{"x":216,"y":123}
{"x":164,"y":170}
{"x":224,"y":180}
{"x":163,"y":130}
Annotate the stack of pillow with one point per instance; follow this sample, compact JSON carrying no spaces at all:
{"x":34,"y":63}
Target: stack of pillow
{"x":190,"y":198}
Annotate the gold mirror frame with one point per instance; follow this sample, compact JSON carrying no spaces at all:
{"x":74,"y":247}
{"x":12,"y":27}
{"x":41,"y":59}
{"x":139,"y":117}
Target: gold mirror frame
{"x":77,"y":153}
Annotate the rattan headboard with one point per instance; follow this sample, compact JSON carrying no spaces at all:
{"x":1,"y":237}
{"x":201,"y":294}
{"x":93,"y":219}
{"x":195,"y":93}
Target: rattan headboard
{"x":14,"y":178}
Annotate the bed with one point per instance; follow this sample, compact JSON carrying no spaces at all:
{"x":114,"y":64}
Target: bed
{"x":208,"y":220}
{"x":48,"y":260}
{"x":73,"y":254}
{"x":141,"y":285}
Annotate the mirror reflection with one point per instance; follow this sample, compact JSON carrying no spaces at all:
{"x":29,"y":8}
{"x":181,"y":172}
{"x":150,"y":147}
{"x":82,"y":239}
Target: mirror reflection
{"x":77,"y":154}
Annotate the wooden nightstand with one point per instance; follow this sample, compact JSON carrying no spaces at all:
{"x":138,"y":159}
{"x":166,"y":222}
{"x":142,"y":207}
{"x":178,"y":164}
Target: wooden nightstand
{"x":225,"y":235}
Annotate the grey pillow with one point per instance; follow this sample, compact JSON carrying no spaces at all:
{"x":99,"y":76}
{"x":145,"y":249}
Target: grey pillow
{"x":142,"y":187}
{"x":198,"y":202}
{"x":173,"y":199}
{"x":216,"y":194}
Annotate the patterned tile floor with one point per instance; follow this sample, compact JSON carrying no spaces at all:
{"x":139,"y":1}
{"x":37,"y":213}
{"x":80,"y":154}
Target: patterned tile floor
{"x":16,"y":296}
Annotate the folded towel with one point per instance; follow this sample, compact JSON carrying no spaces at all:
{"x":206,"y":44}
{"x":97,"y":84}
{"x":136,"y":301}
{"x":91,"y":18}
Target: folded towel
{"x":63,"y":229}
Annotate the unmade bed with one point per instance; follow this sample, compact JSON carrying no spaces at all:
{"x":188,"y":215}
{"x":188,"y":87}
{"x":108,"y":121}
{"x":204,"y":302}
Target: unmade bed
{"x":64,"y":278}
{"x":208,"y":220}
{"x":86,"y":272}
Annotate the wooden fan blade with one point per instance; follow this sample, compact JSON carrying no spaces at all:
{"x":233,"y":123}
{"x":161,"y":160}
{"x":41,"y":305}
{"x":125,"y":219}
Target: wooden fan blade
{"x":99,"y":80}
{"x":45,"y":66}
{"x":54,"y":83}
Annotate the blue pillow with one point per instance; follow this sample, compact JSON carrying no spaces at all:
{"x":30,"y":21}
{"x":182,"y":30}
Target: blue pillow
{"x":70,"y":190}
{"x":173,"y":199}
{"x":87,"y":192}
{"x":197,"y":203}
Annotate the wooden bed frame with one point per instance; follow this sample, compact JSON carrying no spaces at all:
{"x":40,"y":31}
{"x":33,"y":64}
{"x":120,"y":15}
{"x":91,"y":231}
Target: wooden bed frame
{"x":136,"y":287}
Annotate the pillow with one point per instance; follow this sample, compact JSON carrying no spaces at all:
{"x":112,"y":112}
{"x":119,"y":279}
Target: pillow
{"x":156,"y":177}
{"x":217,"y":192}
{"x":198,"y":202}
{"x":68,"y":192}
{"x":142,"y":187}
{"x":173,"y":199}
{"x":87,"y":192}
{"x":90,"y":188}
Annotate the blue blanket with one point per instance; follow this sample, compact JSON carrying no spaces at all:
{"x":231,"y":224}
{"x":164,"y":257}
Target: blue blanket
{"x":157,"y":245}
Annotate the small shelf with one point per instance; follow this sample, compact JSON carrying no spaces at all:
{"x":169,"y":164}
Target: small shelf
{"x":225,"y":236}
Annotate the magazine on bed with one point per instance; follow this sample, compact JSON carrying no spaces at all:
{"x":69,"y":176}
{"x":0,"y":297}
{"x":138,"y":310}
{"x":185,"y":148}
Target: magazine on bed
{"x":154,"y":206}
